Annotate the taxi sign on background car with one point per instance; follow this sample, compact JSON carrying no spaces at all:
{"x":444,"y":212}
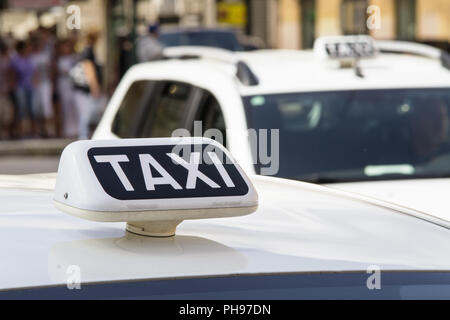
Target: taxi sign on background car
{"x":345,"y":47}
{"x":153,"y":184}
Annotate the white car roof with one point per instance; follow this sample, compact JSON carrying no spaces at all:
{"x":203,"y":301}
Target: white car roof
{"x":299,"y":227}
{"x":295,"y":71}
{"x":284,"y":71}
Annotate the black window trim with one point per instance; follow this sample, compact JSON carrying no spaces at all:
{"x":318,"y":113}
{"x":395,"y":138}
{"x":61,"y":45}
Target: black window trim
{"x":198,"y":108}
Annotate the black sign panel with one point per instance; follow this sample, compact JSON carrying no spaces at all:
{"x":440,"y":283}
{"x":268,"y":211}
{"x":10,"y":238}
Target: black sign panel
{"x":163,"y":171}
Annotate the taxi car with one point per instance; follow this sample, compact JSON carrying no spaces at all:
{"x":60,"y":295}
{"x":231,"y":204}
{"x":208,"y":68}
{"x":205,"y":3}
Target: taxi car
{"x":121,"y":220}
{"x":357,"y":114}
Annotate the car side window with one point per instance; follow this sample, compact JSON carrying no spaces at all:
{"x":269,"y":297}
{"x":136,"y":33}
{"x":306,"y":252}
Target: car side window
{"x":127,"y":118}
{"x":210,"y":114}
{"x":165,"y":112}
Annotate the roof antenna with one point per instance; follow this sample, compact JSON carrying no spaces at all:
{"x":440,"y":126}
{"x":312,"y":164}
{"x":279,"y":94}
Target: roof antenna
{"x":357,"y":68}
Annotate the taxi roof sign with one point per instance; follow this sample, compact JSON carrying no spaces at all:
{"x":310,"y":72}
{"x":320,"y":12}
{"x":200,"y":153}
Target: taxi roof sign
{"x":345,"y":47}
{"x":152,"y":184}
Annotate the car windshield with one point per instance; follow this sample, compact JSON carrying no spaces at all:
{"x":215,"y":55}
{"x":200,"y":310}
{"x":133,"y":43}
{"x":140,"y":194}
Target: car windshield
{"x":358,"y":135}
{"x":216,"y":39}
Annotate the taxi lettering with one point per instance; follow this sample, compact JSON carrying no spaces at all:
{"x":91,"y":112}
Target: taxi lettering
{"x":147,"y":162}
{"x":162,"y":171}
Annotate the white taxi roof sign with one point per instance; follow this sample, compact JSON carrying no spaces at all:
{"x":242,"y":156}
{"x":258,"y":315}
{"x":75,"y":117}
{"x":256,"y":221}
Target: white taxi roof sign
{"x":345,"y":47}
{"x":152,"y":184}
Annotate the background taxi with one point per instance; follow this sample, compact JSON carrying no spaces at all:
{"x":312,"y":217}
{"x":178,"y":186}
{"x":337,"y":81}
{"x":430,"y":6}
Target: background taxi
{"x":374,"y":120}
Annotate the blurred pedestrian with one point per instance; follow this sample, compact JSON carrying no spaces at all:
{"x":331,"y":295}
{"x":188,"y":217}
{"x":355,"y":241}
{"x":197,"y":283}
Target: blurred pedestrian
{"x":65,"y":89}
{"x":125,"y":47}
{"x":6,"y":107}
{"x":86,"y":77}
{"x":148,"y":46}
{"x":47,"y":39}
{"x":43,"y":89}
{"x":23,"y":70}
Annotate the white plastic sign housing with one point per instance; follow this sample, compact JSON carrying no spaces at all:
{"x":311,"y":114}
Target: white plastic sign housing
{"x":153,"y":184}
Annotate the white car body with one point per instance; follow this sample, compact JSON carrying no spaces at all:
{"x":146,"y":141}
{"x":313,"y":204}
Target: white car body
{"x":285,"y":71}
{"x":299,"y":228}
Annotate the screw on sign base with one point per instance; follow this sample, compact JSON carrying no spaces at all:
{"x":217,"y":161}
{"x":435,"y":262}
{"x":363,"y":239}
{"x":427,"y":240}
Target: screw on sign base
{"x":154,"y":228}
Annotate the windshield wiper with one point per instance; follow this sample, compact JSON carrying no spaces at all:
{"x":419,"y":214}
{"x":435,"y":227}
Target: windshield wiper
{"x":390,"y":176}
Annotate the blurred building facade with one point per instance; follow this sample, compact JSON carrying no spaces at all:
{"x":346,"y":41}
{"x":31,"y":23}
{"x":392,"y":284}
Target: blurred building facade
{"x":416,"y":20}
{"x":279,"y":23}
{"x":290,"y":24}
